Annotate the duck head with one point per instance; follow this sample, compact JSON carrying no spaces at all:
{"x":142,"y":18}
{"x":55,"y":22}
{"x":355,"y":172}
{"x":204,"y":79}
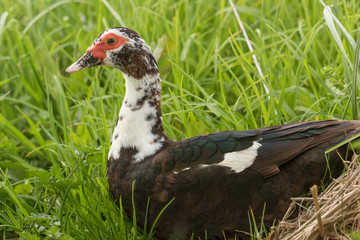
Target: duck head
{"x":121,"y":48}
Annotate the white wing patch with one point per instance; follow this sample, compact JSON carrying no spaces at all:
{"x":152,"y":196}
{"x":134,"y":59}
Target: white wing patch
{"x":240,"y":160}
{"x":184,"y":169}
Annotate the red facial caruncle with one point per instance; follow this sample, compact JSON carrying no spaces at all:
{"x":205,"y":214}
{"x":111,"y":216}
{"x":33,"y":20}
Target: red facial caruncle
{"x":109,"y":41}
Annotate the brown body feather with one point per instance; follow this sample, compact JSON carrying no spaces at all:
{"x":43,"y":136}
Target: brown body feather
{"x":214,"y":179}
{"x":213,"y":198}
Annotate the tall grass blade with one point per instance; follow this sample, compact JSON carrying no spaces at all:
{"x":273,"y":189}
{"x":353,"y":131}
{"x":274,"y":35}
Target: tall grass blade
{"x":329,"y":19}
{"x":354,"y":97}
{"x":158,"y":217}
{"x":43,"y":13}
{"x":134,"y":231}
{"x":329,"y":16}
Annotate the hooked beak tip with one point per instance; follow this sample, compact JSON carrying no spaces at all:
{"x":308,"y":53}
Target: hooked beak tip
{"x":72,"y":68}
{"x":86,"y":61}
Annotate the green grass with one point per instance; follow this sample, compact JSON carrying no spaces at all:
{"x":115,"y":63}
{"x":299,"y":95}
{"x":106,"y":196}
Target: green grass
{"x":54,"y":129}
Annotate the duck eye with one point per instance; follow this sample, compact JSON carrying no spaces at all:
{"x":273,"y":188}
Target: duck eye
{"x":111,"y":41}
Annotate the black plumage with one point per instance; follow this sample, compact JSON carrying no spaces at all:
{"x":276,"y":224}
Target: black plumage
{"x":214,"y":198}
{"x":212,"y":180}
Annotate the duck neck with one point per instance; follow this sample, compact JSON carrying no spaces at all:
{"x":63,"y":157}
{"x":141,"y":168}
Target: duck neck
{"x":139,"y":132}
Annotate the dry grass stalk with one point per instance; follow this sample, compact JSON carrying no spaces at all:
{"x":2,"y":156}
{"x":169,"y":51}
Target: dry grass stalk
{"x":339,"y":211}
{"x":314,"y":192}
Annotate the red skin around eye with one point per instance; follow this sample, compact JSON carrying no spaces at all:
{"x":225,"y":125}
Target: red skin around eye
{"x":99,"y":49}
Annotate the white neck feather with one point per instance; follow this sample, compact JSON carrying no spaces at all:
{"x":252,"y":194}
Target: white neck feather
{"x":137,"y":118}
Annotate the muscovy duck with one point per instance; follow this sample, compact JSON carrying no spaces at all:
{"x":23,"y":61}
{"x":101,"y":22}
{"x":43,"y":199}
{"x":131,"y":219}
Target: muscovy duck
{"x":216,"y":178}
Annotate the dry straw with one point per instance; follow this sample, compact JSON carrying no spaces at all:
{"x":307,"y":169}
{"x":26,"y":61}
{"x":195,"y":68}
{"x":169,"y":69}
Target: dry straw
{"x":334,"y":214}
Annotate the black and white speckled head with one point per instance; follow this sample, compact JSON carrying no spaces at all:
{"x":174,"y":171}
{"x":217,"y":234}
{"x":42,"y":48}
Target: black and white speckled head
{"x":121,"y":48}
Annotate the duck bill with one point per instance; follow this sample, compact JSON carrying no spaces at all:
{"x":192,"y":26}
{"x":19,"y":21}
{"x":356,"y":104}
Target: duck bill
{"x":86,"y":61}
